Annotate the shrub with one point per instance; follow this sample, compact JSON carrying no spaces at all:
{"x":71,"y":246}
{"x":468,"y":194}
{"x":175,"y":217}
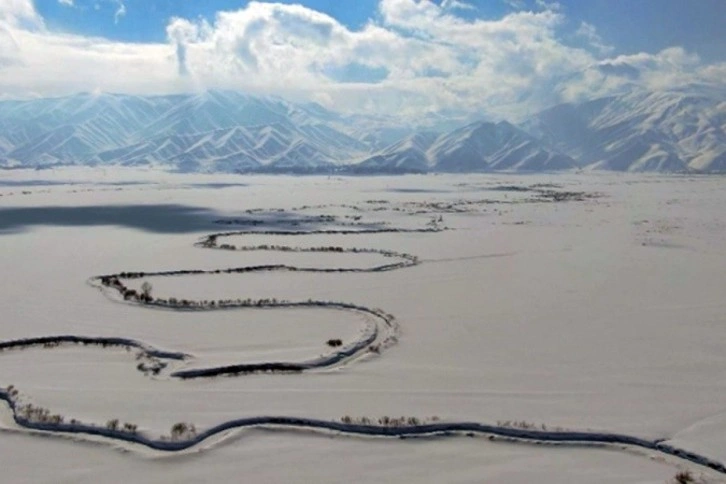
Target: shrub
{"x":146,"y":290}
{"x":684,"y":477}
{"x":183,"y":430}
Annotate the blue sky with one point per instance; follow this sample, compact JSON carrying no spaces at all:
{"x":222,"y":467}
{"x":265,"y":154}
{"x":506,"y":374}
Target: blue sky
{"x":651,"y":25}
{"x":145,"y":20}
{"x":505,"y":57}
{"x":629,"y":25}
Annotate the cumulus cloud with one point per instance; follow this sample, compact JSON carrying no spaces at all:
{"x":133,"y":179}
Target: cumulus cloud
{"x":622,"y":69}
{"x":180,"y":33}
{"x":48,"y":63}
{"x":416,"y":56}
{"x":66,"y":3}
{"x":9,"y":50}
{"x":673,"y":66}
{"x":19,"y":14}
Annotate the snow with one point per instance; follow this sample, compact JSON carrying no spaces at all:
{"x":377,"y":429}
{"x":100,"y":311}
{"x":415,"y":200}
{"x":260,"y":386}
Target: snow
{"x":604,"y":313}
{"x":268,"y":456}
{"x":225,"y":131}
{"x":620,"y":133}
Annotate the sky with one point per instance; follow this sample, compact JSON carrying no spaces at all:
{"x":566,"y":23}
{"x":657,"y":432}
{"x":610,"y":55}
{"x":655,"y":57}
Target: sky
{"x":508,"y":57}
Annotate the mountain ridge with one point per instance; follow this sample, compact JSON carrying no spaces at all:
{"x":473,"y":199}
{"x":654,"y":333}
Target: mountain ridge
{"x":226,"y":131}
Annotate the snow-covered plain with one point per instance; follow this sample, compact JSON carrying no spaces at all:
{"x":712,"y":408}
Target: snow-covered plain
{"x":602,"y":313}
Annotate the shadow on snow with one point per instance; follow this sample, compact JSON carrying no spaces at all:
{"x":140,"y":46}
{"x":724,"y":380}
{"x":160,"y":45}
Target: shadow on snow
{"x":158,"y":218}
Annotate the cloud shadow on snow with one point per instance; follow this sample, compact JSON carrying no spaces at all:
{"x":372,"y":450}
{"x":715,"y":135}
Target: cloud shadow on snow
{"x":168,"y":218}
{"x":160,"y":218}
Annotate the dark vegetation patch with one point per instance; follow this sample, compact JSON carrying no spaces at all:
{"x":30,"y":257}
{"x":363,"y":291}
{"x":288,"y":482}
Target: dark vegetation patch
{"x":416,"y":190}
{"x":217,"y":185}
{"x":684,"y":477}
{"x":510,"y":188}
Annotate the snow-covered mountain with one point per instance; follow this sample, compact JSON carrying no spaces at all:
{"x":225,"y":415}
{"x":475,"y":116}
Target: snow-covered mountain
{"x":211,"y":131}
{"x":405,"y":156}
{"x":641,"y":131}
{"x":221,"y":131}
{"x":499,"y":146}
{"x":480,"y":146}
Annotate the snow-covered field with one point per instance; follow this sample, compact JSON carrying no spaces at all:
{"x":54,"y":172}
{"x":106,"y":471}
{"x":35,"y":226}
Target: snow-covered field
{"x":603,"y":311}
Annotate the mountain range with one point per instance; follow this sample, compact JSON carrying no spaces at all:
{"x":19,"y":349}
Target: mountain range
{"x":221,"y":131}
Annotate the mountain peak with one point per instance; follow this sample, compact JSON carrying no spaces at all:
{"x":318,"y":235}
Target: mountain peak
{"x":219,"y":130}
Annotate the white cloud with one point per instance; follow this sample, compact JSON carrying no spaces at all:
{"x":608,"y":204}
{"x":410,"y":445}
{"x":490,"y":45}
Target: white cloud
{"x":456,"y":4}
{"x":19,"y":14}
{"x":516,"y":4}
{"x":37,"y":61}
{"x":120,"y":11}
{"x":429,"y":58}
{"x":673,"y":66}
{"x":180,"y":32}
{"x":66,"y":3}
{"x":544,"y":5}
{"x":589,"y":33}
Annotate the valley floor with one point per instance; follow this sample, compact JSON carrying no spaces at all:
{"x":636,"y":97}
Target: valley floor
{"x":576,"y":301}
